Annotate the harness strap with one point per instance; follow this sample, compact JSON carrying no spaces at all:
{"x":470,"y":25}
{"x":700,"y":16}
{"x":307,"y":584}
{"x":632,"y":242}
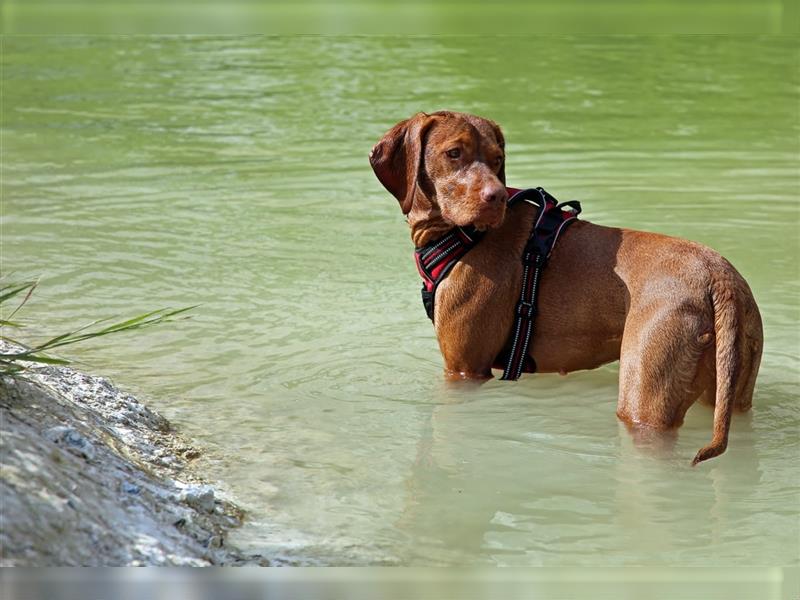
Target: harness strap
{"x":548,"y":225}
{"x":435,"y":261}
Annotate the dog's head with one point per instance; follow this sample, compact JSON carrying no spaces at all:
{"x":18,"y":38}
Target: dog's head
{"x":445,"y":161}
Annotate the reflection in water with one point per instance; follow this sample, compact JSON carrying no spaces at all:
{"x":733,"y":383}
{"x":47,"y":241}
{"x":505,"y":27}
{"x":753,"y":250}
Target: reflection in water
{"x":509,"y":497}
{"x":232,"y":172}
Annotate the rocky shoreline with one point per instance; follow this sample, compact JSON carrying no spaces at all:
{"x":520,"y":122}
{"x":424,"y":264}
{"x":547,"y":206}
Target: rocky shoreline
{"x":91,"y":476}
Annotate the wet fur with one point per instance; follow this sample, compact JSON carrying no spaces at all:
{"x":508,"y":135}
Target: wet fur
{"x":680,"y":319}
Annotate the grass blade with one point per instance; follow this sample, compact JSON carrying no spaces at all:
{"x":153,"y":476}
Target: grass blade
{"x":31,"y":287}
{"x":15,"y":288}
{"x":9,"y":361}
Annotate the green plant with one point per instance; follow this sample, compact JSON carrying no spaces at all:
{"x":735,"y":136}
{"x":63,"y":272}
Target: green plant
{"x":12,"y":361}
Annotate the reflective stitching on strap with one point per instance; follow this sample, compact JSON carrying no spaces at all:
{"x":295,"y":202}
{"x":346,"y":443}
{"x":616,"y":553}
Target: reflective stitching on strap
{"x":540,"y":244}
{"x":561,"y":227}
{"x":440,"y":257}
{"x":426,"y":253}
{"x":465,"y":234}
{"x":518,"y":320}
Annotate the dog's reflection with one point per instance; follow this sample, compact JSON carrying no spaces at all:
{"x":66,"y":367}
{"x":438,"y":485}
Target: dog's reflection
{"x":522,"y":497}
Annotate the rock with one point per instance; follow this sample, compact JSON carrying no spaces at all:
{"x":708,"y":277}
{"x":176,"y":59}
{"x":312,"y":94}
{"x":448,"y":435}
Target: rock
{"x":130,"y":488}
{"x":71,"y":440}
{"x":129,"y":498}
{"x":200,"y":497}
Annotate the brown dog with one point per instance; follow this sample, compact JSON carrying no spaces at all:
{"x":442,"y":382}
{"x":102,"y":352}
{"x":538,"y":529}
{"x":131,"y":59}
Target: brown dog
{"x":681,"y":320}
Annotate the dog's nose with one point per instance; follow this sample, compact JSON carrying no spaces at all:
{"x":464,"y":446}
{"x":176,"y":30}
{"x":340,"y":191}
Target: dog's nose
{"x":492,"y":194}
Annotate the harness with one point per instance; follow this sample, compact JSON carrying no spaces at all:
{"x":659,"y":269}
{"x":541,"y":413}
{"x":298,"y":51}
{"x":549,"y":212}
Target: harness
{"x":437,"y":259}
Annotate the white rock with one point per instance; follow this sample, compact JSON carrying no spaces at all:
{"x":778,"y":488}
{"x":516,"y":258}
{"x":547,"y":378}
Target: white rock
{"x":200,"y":497}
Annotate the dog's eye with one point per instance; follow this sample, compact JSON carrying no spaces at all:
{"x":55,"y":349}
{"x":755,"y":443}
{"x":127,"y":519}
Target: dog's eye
{"x":498,"y":161}
{"x":454,"y":152}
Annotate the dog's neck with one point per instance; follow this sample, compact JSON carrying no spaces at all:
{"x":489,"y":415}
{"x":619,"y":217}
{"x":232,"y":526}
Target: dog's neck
{"x":425,"y":231}
{"x":426,"y":221}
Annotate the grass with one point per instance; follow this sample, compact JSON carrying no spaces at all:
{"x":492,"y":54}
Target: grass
{"x":14,"y":362}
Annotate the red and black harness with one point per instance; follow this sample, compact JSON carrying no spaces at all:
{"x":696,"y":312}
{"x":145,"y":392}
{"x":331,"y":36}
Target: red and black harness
{"x":436,"y":260}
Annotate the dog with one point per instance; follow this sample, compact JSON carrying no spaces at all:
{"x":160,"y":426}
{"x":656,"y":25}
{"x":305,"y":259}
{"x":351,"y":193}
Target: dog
{"x":680,"y":319}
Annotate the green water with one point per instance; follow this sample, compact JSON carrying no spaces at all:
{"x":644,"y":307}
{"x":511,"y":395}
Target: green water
{"x":142,"y":172}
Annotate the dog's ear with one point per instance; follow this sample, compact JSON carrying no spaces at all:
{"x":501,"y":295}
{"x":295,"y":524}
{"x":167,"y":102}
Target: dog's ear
{"x":397,"y":158}
{"x":501,"y":140}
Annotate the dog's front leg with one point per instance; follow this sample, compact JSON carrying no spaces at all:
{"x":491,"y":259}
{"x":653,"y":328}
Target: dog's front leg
{"x":468,"y":328}
{"x":465,"y":357}
{"x":477,"y":377}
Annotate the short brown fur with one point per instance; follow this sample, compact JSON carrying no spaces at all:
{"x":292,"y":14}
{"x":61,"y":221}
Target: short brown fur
{"x":680,"y":319}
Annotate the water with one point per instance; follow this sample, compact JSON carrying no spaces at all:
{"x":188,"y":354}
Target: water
{"x":232,"y":173}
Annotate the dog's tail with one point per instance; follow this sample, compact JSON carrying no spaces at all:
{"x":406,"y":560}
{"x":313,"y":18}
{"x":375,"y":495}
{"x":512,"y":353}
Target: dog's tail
{"x":723,"y":299}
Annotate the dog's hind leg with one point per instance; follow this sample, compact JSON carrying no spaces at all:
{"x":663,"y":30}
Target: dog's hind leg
{"x":705,"y":381}
{"x":663,"y":364}
{"x":744,"y":393}
{"x":751,"y":342}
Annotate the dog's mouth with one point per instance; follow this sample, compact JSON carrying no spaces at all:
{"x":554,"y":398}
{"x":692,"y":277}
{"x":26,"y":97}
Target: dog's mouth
{"x":475,"y":213}
{"x":490,"y":217}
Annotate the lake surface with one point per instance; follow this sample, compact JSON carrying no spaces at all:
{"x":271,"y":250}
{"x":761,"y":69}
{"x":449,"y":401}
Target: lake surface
{"x":231,"y":172}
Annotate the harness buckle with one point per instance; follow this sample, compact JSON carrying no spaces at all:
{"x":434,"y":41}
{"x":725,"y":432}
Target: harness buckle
{"x":526,"y":310}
